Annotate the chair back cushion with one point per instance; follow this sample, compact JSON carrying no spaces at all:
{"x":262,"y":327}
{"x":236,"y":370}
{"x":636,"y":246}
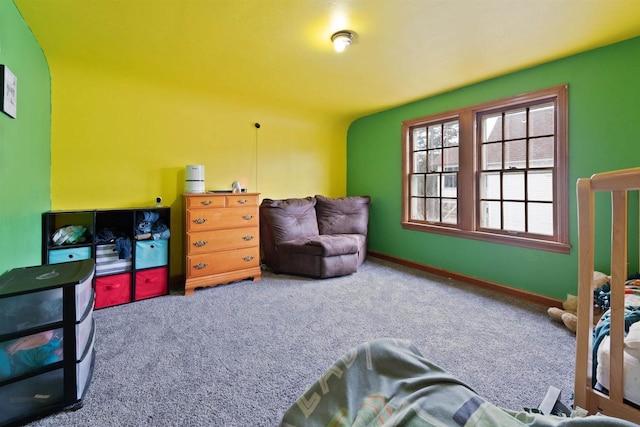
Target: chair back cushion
{"x":346,"y":215}
{"x":289,"y":219}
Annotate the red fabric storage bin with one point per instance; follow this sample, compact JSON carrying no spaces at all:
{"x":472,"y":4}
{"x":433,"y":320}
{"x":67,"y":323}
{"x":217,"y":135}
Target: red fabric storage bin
{"x":113,"y":290}
{"x":151,"y":283}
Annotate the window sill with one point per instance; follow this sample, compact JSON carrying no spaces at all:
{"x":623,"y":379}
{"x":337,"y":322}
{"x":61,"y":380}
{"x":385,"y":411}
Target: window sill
{"x":524,"y":242}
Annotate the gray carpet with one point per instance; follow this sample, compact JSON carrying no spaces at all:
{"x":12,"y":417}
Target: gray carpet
{"x":240,"y":354}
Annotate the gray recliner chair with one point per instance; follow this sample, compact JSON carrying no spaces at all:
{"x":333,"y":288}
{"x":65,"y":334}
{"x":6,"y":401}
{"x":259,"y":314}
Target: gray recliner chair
{"x":314,"y":236}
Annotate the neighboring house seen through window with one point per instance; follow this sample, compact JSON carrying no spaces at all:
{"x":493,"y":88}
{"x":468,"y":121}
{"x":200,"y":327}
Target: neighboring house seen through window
{"x":495,"y":172}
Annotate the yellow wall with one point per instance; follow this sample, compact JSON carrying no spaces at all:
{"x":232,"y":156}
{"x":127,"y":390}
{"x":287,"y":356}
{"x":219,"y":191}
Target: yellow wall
{"x":119,"y":143}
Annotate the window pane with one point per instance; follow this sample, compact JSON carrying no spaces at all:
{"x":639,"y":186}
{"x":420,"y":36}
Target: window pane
{"x":420,"y":161}
{"x":515,"y":154}
{"x":417,"y":185}
{"x":435,"y":161}
{"x":541,"y":218}
{"x":450,"y":159}
{"x":451,"y":134}
{"x":417,"y":209}
{"x":513,"y":186}
{"x":492,"y":127}
{"x":514,"y":216}
{"x":490,"y":185}
{"x":450,"y":185}
{"x":490,"y":215}
{"x":419,"y":139}
{"x":540,"y":186}
{"x":433,"y":185}
{"x":515,"y":124}
{"x":450,"y":211}
{"x":435,"y":136}
{"x":433,"y":210}
{"x":542,"y":120}
{"x":491,"y":156}
{"x":541,"y":152}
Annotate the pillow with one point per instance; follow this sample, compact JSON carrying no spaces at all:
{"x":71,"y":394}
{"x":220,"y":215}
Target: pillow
{"x":345,"y":215}
{"x":632,"y":341}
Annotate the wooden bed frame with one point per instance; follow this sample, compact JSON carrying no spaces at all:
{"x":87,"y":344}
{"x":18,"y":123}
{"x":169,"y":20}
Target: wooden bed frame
{"x":619,"y":184}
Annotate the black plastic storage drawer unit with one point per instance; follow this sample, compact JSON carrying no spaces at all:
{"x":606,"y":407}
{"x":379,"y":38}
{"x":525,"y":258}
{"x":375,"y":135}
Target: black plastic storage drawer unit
{"x":46,"y":339}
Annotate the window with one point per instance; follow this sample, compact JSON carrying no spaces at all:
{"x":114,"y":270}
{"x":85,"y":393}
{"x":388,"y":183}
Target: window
{"x":494,"y":172}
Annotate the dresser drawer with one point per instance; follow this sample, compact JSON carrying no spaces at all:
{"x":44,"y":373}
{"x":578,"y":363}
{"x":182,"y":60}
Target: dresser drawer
{"x":84,"y":368}
{"x":31,"y":395}
{"x":207,"y":241}
{"x":212,"y":219}
{"x":239,"y":200}
{"x":205,"y":201}
{"x":223,"y":261}
{"x":29,"y":353}
{"x":85,"y":332}
{"x":22,"y":312}
{"x":84,"y":297}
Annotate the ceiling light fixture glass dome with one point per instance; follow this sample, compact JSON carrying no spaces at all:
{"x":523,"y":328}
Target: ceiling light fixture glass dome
{"x":341,"y":40}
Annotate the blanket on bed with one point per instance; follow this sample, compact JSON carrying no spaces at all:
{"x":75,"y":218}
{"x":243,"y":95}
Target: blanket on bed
{"x":387,"y":382}
{"x":603,"y":328}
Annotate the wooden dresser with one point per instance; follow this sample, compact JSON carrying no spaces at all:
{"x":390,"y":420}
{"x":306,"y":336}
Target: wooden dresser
{"x":222,"y":241}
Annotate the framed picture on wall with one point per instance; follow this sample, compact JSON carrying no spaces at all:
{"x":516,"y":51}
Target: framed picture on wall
{"x":9,"y":91}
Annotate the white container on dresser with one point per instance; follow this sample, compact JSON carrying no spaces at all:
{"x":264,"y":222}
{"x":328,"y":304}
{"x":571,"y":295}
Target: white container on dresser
{"x":222,"y":241}
{"x":46,"y":339}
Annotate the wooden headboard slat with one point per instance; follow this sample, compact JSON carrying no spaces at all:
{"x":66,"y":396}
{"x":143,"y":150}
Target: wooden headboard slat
{"x":618,"y":183}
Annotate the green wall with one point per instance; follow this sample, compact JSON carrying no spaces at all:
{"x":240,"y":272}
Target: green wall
{"x":24,"y":144}
{"x":604,"y":134}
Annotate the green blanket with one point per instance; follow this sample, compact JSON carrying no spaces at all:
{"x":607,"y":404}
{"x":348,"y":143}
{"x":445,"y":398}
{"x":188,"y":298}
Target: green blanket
{"x":387,"y":382}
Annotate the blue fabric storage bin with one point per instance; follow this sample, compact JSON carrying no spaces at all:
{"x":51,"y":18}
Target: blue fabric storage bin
{"x":152,"y":253}
{"x":72,"y":254}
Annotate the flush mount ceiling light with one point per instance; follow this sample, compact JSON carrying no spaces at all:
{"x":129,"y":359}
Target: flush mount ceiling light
{"x":341,"y":40}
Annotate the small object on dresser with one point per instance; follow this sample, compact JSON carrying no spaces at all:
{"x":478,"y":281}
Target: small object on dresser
{"x":194,"y":179}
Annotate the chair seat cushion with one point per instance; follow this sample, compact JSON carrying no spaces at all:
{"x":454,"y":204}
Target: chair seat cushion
{"x":322,"y":245}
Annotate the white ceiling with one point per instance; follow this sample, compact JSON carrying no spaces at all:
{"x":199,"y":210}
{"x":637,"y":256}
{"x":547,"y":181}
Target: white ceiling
{"x":277,"y":53}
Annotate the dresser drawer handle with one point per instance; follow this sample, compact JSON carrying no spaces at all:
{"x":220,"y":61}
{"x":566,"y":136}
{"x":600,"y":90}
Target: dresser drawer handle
{"x":248,"y":237}
{"x":242,"y":201}
{"x":200,"y":243}
{"x":248,"y":258}
{"x":206,"y":202}
{"x":200,"y":266}
{"x":248,"y":217}
{"x":200,"y":220}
